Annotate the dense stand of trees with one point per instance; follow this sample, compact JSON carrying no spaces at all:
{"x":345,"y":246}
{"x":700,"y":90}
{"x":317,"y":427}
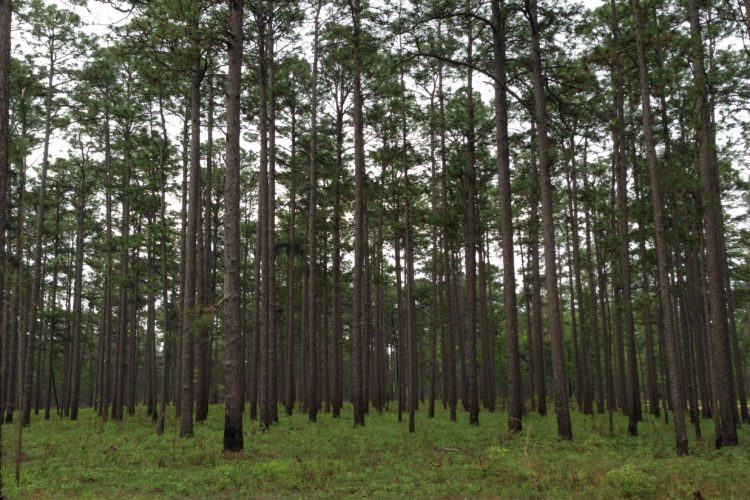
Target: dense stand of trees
{"x":311,"y":203}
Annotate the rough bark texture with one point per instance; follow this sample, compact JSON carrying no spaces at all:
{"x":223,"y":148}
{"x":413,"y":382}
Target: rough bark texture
{"x":312,"y":244}
{"x":721,"y":361}
{"x":548,"y":223}
{"x":233,"y":440}
{"x":671,"y":354}
{"x":506,"y":220}
{"x":631,"y":382}
{"x":359,"y":209}
{"x":189,"y":314}
{"x":77,"y":294}
{"x":5,"y":133}
{"x":472,"y":401}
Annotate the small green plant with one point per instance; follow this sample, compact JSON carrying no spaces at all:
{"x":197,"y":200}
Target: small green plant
{"x":630,"y":482}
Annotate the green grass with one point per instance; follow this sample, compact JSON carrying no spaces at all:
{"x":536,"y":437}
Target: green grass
{"x":333,"y":459}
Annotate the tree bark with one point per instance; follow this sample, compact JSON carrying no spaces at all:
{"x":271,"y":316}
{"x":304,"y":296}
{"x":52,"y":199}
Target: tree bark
{"x":5,"y":136}
{"x":189,"y":313}
{"x":122,"y":320}
{"x":724,"y":416}
{"x":553,"y":298}
{"x":450,"y":319}
{"x":536,"y":288}
{"x":77,"y":292}
{"x":36,"y":297}
{"x":585,"y":357}
{"x":672,"y":356}
{"x":631,"y":382}
{"x":312,"y":243}
{"x":411,"y":320}
{"x":233,"y":440}
{"x":359,"y":210}
{"x":506,"y":220}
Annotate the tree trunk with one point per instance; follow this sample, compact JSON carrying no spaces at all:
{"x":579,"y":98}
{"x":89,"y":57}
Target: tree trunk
{"x":336,"y":349}
{"x":724,"y":415}
{"x":536,"y":288}
{"x":77,"y":293}
{"x":515,"y":402}
{"x":598,"y":386}
{"x":450,"y":319}
{"x":585,"y":357}
{"x":203,"y":345}
{"x":550,"y":259}
{"x":122,"y":320}
{"x":35,"y":300}
{"x":434,"y":276}
{"x":189,"y":313}
{"x":53,"y":322}
{"x":411,"y":320}
{"x":150,"y":326}
{"x":5,"y":137}
{"x":672,"y":356}
{"x":271,"y":233}
{"x":312,"y":243}
{"x":106,"y":387}
{"x":183,"y":248}
{"x":359,"y":215}
{"x":132,"y":365}
{"x":233,"y":440}
{"x":631,"y":382}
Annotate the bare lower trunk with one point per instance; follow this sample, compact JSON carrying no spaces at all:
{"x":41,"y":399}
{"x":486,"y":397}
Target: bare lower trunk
{"x":553,"y":298}
{"x":672,"y":357}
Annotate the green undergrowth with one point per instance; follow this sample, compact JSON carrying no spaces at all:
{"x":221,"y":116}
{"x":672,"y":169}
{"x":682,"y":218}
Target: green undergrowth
{"x":332,"y":459}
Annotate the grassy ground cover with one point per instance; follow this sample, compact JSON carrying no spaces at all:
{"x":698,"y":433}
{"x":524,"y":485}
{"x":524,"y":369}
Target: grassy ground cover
{"x":332,"y":459}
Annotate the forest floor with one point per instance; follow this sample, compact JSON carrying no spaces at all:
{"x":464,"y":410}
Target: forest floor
{"x":333,"y":459}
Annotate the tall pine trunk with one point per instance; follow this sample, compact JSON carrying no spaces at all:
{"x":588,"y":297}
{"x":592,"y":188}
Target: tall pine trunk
{"x":359,"y":222}
{"x":502,"y":150}
{"x":548,"y":223}
{"x":233,"y":440}
{"x":721,"y":361}
{"x":312,"y":243}
{"x":189,"y":313}
{"x":670,"y":341}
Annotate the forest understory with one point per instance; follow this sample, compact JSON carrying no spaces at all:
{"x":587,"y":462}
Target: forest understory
{"x":442,"y":249}
{"x":332,"y":459}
